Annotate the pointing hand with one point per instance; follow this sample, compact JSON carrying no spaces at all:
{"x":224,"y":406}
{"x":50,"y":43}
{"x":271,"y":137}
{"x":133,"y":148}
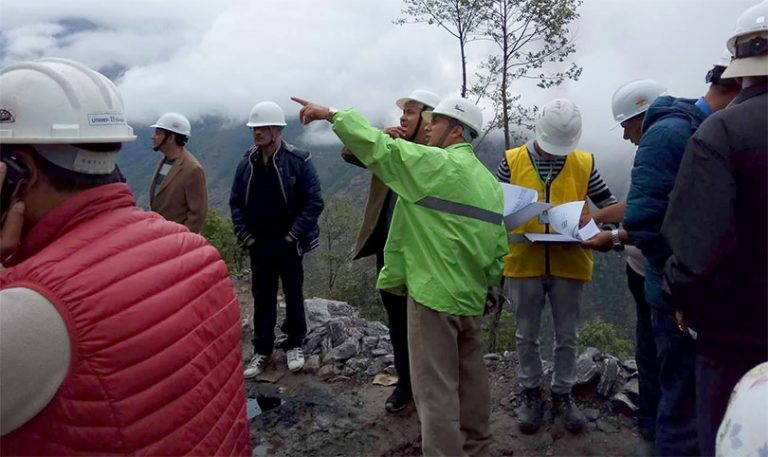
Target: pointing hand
{"x":311,"y":111}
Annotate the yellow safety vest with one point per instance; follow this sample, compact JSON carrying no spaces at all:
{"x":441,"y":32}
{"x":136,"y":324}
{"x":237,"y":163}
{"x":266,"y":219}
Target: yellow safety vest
{"x":529,"y":260}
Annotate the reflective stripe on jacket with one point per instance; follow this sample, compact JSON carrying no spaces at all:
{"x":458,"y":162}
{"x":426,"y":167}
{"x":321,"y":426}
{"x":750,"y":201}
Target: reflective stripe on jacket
{"x":529,"y":260}
{"x":447,"y":261}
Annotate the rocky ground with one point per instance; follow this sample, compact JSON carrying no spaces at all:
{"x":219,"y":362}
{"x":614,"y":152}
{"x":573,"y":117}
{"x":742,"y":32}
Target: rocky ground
{"x":334,"y":408}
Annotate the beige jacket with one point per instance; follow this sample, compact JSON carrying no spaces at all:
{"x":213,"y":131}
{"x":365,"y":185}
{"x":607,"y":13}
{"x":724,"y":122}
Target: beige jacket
{"x":377,"y":197}
{"x":182,"y":196}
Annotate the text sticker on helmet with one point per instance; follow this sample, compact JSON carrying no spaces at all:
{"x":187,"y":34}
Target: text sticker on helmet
{"x":94,"y":163}
{"x":106,"y":119}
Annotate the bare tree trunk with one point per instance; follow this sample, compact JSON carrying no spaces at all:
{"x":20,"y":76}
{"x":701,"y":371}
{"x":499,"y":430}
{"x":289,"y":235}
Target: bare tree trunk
{"x":505,"y":81}
{"x":463,"y":69}
{"x":330,"y":263}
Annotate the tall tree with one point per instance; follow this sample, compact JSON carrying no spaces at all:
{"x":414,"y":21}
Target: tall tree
{"x":531,"y":37}
{"x":337,"y":229}
{"x":460,"y":18}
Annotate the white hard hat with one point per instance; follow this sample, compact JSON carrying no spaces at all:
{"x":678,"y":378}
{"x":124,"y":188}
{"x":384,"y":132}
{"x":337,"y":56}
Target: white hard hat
{"x":266,"y":114}
{"x":425,"y":97}
{"x":558,"y":129}
{"x":635,"y":97}
{"x":460,"y":109}
{"x":174,"y":122}
{"x":725,"y":59}
{"x":59,"y":101}
{"x":748,"y":43}
{"x":743,"y":429}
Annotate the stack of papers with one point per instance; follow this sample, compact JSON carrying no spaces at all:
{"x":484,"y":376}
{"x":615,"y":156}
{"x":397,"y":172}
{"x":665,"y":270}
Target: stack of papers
{"x":521,"y":205}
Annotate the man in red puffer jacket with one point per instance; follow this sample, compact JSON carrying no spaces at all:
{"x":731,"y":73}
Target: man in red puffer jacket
{"x":119,"y":331}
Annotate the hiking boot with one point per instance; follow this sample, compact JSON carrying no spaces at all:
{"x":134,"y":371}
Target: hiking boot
{"x":398,"y":400}
{"x":295,"y":358}
{"x":572,"y":416}
{"x":256,"y":366}
{"x":529,"y":415}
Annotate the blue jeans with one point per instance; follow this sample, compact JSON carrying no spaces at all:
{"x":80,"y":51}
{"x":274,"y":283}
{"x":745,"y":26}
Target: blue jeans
{"x":676,"y":417}
{"x":645,"y":355}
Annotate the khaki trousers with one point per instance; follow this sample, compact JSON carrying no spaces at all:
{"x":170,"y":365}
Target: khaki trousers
{"x":450,"y":382}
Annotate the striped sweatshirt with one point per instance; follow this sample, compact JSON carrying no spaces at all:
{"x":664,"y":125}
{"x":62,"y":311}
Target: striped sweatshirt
{"x":598,"y":191}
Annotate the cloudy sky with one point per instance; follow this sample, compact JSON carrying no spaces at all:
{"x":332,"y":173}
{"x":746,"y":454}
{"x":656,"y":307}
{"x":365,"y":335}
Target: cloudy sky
{"x":220,"y":57}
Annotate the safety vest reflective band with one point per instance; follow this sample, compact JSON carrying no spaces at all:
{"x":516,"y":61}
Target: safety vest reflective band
{"x":460,"y":209}
{"x":530,"y":260}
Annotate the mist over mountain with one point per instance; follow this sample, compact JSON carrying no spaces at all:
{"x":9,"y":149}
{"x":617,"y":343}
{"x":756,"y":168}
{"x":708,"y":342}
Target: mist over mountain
{"x":219,"y":144}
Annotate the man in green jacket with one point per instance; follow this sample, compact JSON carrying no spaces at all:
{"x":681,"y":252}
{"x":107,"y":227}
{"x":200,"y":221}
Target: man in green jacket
{"x":373,"y":237}
{"x":445,"y":248}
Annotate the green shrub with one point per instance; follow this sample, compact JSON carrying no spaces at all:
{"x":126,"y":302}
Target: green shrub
{"x":220,"y":233}
{"x":606,"y":337}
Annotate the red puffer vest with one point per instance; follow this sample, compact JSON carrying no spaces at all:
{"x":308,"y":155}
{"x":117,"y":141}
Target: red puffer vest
{"x":154,"y":329}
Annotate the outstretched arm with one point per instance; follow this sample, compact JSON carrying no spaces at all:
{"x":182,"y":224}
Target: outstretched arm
{"x":403,"y":166}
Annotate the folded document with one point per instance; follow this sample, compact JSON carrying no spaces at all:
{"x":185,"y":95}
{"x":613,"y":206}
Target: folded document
{"x":521,"y":205}
{"x":564,"y":219}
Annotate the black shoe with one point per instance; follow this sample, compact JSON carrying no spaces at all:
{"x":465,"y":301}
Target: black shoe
{"x":399,"y":399}
{"x":529,"y":415}
{"x":572,"y":416}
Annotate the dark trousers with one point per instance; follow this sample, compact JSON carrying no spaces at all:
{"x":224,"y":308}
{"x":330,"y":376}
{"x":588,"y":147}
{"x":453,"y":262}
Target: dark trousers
{"x":676,"y":418}
{"x":397,"y":314}
{"x":271,"y":262}
{"x":715,"y":379}
{"x":645,"y":356}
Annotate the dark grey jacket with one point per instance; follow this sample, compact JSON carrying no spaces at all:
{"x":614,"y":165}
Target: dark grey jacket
{"x":717,"y":227}
{"x":300,"y":189}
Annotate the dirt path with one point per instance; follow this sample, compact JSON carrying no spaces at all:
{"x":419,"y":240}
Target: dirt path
{"x":347,"y":418}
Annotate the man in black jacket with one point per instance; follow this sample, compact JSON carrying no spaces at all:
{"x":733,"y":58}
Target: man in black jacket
{"x":716,"y":227}
{"x":275,"y":204}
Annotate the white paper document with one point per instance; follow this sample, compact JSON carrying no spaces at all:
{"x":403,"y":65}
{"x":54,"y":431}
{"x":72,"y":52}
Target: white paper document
{"x":520,"y":205}
{"x":564,"y":219}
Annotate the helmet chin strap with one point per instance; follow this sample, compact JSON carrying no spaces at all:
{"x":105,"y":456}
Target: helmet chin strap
{"x":451,"y":124}
{"x":273,"y":139}
{"x":416,"y":130}
{"x":166,"y":135}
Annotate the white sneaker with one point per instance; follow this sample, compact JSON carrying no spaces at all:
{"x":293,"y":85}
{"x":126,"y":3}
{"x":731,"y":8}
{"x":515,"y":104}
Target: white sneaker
{"x":256,"y":366}
{"x":295,"y":359}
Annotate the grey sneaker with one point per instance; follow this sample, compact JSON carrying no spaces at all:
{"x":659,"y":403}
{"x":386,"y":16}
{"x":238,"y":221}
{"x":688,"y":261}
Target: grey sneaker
{"x":256,"y":366}
{"x":573,"y":417}
{"x":295,"y":358}
{"x":530,"y":414}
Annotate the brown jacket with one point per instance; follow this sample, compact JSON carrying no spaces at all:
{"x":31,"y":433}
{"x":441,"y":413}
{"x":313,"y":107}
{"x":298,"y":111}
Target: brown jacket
{"x":367,"y":244}
{"x":182,"y":196}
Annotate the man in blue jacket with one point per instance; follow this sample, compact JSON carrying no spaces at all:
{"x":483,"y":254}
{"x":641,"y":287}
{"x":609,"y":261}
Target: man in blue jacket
{"x":275,"y":204}
{"x":667,"y":126}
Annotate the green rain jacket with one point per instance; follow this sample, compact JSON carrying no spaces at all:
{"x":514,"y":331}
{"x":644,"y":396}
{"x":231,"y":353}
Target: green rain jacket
{"x":445,"y":261}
